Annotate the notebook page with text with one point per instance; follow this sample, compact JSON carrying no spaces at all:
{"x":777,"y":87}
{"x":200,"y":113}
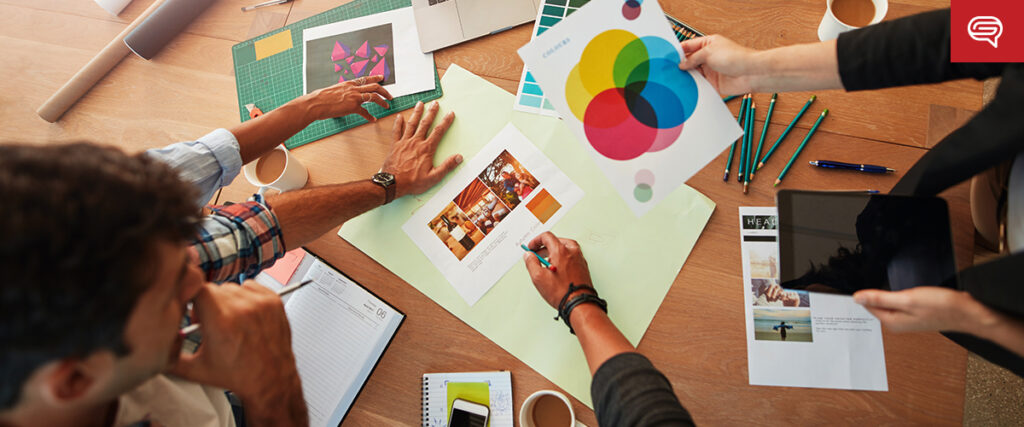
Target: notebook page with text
{"x":339,"y":332}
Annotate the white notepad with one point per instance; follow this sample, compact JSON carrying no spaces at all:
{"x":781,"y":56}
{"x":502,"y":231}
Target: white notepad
{"x":435,"y":396}
{"x":339,"y":332}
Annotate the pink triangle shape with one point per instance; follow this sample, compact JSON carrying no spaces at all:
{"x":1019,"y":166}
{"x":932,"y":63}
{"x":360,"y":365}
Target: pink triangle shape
{"x":339,"y":52}
{"x":364,"y":50}
{"x":381,"y":50}
{"x":341,"y":79}
{"x":381,"y":69}
{"x":349,"y":59}
{"x":337,"y":68}
{"x":357,"y":67}
{"x":374,"y":58}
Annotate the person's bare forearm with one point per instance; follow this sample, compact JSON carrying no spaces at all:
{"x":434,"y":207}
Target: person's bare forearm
{"x":810,"y":66}
{"x":258,"y":136}
{"x":598,"y":336}
{"x":307,"y":214}
{"x":1003,"y":330}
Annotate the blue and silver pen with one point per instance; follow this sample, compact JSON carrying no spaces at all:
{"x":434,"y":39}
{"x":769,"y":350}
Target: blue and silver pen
{"x":831,"y":164}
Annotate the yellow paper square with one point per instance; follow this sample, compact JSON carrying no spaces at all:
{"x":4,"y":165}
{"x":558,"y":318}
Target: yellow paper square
{"x":273,"y":45}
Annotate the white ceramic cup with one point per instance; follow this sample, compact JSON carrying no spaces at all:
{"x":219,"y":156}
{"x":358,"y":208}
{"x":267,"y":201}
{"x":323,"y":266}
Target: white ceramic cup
{"x":526,"y":411}
{"x":293,"y":176}
{"x":831,"y":26}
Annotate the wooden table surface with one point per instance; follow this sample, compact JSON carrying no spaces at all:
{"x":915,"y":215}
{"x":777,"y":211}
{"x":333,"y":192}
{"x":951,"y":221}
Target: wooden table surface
{"x":697,"y":337}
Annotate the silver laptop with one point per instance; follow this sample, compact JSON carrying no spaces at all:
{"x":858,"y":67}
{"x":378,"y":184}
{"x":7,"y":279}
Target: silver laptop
{"x":442,"y":23}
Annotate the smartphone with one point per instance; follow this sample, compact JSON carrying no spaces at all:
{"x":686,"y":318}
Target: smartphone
{"x":468,"y":414}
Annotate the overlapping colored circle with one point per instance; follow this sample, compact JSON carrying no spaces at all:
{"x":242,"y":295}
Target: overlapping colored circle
{"x":630,"y":95}
{"x":631,"y":9}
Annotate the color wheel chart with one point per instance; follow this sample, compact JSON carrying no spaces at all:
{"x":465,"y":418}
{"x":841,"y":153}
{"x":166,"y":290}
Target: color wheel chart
{"x":530,"y":98}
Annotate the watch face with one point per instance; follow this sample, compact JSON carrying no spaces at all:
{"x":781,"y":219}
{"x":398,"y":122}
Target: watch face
{"x":384,"y":178}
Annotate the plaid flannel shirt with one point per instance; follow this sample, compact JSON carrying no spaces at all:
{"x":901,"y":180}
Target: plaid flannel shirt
{"x":235,"y":242}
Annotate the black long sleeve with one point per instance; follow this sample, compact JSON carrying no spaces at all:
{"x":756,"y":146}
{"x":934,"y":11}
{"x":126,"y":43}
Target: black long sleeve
{"x":915,"y":50}
{"x":906,"y":51}
{"x":629,"y":391}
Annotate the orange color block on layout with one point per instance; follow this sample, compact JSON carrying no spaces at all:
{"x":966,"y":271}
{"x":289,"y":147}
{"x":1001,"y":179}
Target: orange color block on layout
{"x":543,"y":206}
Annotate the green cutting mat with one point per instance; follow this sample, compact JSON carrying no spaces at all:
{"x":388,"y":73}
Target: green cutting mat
{"x":277,"y":79}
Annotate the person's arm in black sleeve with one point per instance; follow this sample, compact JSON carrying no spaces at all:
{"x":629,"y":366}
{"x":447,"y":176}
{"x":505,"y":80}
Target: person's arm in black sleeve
{"x":906,"y":51}
{"x":902,"y":52}
{"x":994,"y":135}
{"x":627,"y":390}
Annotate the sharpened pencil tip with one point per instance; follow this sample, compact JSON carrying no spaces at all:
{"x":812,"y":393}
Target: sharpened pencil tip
{"x":777,"y":182}
{"x":726,"y":176}
{"x":813,"y":97}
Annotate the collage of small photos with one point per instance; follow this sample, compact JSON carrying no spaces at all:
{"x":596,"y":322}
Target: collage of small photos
{"x":486,"y":201}
{"x":779,"y":314}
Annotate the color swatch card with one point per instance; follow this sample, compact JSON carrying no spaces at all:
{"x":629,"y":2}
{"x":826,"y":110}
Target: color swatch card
{"x":530,"y":98}
{"x":382,"y":44}
{"x":472,"y":229}
{"x":611,"y":70}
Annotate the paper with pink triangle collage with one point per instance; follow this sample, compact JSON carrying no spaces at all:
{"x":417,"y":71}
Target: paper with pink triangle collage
{"x":384,"y":44}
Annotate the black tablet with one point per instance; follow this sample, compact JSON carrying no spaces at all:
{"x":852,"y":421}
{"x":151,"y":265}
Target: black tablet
{"x":842,"y":242}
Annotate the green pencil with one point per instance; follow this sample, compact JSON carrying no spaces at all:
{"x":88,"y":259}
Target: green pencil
{"x":732,"y":151}
{"x":744,"y":109}
{"x":750,"y":145}
{"x":743,"y":140}
{"x":801,"y":147}
{"x":764,"y":131}
{"x":786,"y":132}
{"x":729,"y":98}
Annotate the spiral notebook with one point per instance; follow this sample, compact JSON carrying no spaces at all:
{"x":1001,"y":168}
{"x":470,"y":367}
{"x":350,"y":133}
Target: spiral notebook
{"x":435,"y":396}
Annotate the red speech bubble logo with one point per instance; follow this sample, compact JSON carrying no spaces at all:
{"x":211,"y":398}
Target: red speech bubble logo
{"x":986,"y":29}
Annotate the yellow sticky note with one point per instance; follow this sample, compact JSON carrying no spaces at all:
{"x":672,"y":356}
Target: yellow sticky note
{"x":273,"y":45}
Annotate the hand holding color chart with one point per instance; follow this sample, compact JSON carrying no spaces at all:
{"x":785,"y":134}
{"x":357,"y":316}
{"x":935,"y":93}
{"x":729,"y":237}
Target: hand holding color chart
{"x":611,"y":70}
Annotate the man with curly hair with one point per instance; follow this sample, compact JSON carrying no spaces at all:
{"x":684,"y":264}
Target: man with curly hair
{"x":104,"y":251}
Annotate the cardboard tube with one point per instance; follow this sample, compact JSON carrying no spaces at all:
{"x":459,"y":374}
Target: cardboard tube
{"x":92,"y":72}
{"x":161,"y":27}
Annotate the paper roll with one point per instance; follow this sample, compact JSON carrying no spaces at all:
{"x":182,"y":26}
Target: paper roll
{"x":92,"y":72}
{"x":163,"y":25}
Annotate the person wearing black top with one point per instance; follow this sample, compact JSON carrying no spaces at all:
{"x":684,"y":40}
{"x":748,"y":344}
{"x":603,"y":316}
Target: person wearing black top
{"x":985,"y":314}
{"x":627,"y":389}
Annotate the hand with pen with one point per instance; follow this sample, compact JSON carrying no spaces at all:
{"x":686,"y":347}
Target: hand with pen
{"x":627,"y":389}
{"x":246,"y":348}
{"x":570,"y":267}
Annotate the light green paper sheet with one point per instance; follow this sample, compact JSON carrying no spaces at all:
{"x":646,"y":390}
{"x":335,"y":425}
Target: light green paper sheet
{"x":633,"y":261}
{"x":473,"y":392}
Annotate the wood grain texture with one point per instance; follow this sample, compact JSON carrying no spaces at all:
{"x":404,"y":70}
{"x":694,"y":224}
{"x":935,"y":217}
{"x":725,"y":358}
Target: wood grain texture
{"x":697,"y":337}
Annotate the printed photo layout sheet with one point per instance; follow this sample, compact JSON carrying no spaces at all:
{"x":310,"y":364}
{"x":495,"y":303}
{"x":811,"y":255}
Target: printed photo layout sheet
{"x":472,"y":229}
{"x":611,"y":71}
{"x":798,"y":338}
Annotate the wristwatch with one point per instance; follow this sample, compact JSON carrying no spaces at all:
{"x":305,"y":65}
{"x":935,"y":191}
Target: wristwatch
{"x":387,"y":181}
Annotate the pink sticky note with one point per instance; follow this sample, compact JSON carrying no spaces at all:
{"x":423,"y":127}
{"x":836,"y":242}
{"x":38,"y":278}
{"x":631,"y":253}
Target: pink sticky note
{"x":284,"y":268}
